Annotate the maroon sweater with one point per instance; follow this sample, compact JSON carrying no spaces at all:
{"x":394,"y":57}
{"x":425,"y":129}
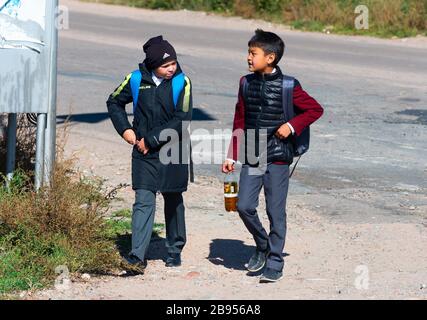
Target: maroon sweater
{"x":307,"y":111}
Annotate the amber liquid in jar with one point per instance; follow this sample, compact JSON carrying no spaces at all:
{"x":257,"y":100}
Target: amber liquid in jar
{"x":230,"y":195}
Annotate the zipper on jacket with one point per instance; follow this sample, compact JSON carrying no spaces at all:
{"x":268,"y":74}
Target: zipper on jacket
{"x":257,"y":126}
{"x":262,"y":103}
{"x":155,"y":115}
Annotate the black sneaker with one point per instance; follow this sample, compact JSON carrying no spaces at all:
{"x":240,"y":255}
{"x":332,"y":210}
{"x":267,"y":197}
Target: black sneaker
{"x":137,"y":265}
{"x":173,"y":260}
{"x":271,"y":275}
{"x":257,"y":261}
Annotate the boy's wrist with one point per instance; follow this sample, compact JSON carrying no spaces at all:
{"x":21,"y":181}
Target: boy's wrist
{"x":123,"y":131}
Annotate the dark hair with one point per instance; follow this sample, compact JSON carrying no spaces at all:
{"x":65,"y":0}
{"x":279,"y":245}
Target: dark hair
{"x":269,"y":42}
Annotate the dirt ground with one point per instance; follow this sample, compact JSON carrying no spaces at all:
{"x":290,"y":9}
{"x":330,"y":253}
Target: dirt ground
{"x":324,"y":259}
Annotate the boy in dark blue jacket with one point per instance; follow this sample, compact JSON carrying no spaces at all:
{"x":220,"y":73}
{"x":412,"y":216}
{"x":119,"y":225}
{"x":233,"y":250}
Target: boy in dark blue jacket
{"x":159,"y":107}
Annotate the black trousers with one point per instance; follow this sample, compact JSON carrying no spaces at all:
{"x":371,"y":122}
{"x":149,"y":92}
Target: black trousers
{"x":275,"y":180}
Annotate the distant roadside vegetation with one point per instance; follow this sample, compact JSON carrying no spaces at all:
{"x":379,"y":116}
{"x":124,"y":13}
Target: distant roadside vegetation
{"x":387,"y":18}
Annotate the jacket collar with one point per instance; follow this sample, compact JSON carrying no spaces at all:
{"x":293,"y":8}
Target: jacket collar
{"x":270,"y":76}
{"x":146,"y":74}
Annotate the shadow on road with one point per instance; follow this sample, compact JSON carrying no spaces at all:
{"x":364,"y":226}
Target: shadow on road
{"x":83,"y":117}
{"x":232,"y":254}
{"x":198,"y":115}
{"x":156,"y":251}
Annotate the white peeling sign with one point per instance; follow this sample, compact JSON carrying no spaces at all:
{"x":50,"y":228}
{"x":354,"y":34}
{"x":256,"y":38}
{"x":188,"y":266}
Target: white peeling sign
{"x":24,"y":55}
{"x":22,"y":23}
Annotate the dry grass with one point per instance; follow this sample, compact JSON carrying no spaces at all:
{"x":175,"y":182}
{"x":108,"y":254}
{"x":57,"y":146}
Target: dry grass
{"x":63,"y":224}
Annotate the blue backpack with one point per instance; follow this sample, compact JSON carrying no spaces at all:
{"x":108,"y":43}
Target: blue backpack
{"x":178,"y":83}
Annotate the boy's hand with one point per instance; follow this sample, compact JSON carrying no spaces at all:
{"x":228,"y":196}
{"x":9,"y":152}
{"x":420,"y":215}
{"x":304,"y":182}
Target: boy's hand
{"x":227,"y":166}
{"x":142,"y":147}
{"x":283,"y":132}
{"x":129,"y":136}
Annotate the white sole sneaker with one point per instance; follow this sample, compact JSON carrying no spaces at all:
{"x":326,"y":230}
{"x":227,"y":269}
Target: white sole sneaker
{"x":255,"y":270}
{"x":265,"y":279}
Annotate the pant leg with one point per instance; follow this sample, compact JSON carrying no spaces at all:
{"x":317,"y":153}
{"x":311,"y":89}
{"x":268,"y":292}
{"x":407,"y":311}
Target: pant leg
{"x":142,"y":221}
{"x":249,"y":189}
{"x":276,"y":182}
{"x":175,"y":222}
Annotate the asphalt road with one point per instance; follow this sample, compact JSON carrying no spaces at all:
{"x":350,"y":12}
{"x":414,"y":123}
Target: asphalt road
{"x":368,"y":152}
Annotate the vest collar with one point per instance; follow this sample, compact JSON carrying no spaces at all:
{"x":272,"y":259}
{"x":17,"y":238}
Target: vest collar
{"x":270,"y":76}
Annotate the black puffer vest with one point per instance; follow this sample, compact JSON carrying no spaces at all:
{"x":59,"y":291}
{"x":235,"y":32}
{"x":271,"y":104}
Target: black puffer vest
{"x":263,"y":116}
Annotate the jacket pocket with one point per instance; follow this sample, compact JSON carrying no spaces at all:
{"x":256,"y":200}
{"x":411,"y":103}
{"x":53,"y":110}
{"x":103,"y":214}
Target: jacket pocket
{"x":280,"y":150}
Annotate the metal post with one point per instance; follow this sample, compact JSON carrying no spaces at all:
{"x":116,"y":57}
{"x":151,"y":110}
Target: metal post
{"x":39,"y":170}
{"x":50,"y":138}
{"x":11,"y":146}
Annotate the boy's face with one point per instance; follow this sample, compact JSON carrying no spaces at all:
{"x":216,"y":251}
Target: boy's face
{"x":259,"y":60}
{"x":167,"y":70}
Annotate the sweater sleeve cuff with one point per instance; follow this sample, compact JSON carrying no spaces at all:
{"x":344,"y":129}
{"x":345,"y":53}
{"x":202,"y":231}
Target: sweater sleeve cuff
{"x":292,"y":128}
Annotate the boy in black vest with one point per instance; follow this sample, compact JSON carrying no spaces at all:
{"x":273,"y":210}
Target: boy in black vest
{"x":260,"y":108}
{"x":154,"y":112}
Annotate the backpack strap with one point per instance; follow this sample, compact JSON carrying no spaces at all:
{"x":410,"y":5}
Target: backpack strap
{"x":178,"y":83}
{"x":288,"y":104}
{"x":135,"y":83}
{"x":288,"y":97}
{"x":244,"y":88}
